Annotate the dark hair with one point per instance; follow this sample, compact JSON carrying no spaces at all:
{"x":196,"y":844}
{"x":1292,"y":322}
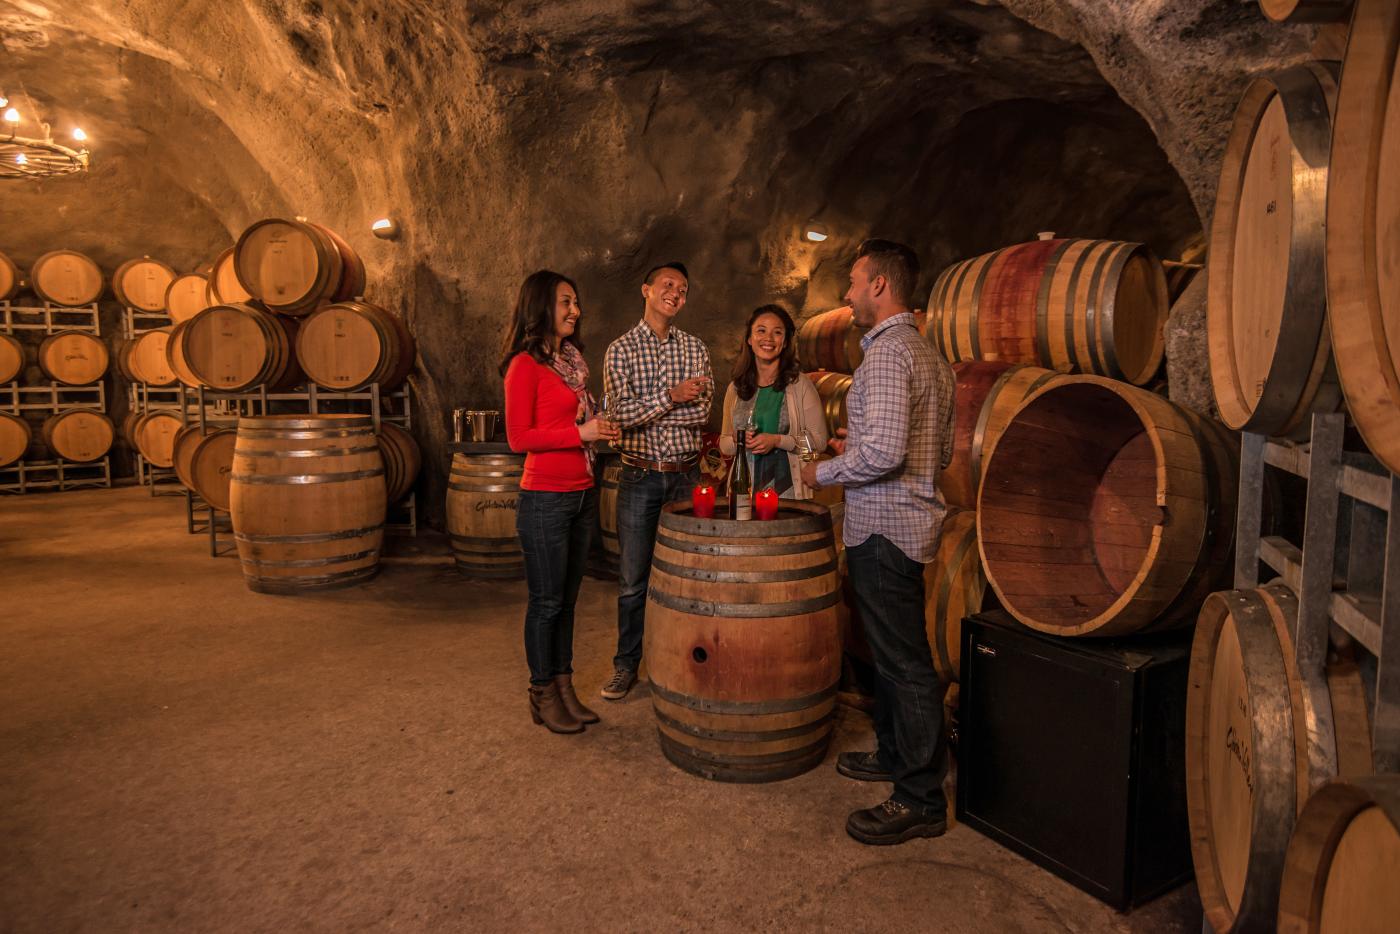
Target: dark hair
{"x":678,"y":267}
{"x":532,"y":321}
{"x":896,"y":262}
{"x":746,"y":368}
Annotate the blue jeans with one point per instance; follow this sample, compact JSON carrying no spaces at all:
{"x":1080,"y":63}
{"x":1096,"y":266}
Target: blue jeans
{"x":889,"y":592}
{"x":640,"y":495}
{"x":556,"y":530}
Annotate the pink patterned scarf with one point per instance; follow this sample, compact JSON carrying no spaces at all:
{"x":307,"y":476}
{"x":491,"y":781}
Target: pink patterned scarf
{"x":568,"y":362}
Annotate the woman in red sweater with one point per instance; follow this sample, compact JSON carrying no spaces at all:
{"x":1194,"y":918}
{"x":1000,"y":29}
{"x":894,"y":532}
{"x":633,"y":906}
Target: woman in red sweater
{"x":550,"y":417}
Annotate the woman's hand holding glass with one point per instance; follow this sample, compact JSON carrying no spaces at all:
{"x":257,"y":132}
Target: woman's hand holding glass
{"x":600,"y":427}
{"x":761,"y":443}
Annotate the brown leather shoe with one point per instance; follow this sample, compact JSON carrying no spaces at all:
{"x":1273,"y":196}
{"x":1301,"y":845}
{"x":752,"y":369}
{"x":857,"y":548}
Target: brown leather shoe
{"x":547,"y":708}
{"x":565,"y":684}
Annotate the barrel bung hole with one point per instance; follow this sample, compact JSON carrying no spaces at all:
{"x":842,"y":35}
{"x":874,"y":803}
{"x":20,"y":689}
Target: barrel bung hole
{"x":699,"y":654}
{"x":1069,"y":503}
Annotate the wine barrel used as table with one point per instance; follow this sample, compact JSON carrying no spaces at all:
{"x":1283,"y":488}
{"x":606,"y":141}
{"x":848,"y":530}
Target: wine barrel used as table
{"x":1095,"y":306}
{"x":1363,"y":199}
{"x":1266,"y":324}
{"x":483,"y":496}
{"x":743,"y":641}
{"x":987,"y":395}
{"x":1105,"y":509}
{"x":142,"y":283}
{"x":347,"y":346}
{"x":307,"y":500}
{"x":1343,"y":862}
{"x":15,"y":435}
{"x":64,"y":277}
{"x":79,"y":435}
{"x":11,"y":359}
{"x":74,"y":358}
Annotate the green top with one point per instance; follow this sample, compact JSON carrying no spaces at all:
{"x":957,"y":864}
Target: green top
{"x":767,"y":409}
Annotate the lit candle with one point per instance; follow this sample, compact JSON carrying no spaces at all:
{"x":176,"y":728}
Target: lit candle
{"x":702,"y":501}
{"x":765,"y":504}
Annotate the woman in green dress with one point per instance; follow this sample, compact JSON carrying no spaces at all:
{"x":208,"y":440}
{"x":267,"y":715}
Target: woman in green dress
{"x":775,"y":402}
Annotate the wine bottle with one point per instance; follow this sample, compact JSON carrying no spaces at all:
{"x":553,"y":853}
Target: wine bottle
{"x":740,"y":501}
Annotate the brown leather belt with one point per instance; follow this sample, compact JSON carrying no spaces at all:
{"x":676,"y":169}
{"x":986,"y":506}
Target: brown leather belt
{"x":680,"y":466}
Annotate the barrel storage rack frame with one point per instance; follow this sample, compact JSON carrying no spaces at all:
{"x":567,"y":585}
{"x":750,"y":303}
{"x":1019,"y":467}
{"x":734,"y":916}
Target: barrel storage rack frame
{"x":1351,"y":533}
{"x":143,"y":397}
{"x":23,"y":476}
{"x":137,"y":321}
{"x":203,"y":517}
{"x":50,"y":318}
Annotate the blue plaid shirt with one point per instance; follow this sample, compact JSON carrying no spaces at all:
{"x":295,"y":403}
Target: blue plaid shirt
{"x":639,"y":370}
{"x":899,"y":415}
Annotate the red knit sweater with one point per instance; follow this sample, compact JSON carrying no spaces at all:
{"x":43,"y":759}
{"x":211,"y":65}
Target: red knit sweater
{"x":540,"y":421}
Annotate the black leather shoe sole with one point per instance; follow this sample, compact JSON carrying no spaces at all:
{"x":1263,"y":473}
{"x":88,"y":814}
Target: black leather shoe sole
{"x":912,"y":832}
{"x":863,"y":775}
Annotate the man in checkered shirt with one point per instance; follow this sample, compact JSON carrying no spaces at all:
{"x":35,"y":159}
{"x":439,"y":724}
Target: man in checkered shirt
{"x":659,"y":386}
{"x":900,"y":435}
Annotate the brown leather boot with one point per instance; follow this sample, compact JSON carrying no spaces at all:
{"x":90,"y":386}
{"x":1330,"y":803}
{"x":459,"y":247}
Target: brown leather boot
{"x":565,"y":684}
{"x":547,"y":708}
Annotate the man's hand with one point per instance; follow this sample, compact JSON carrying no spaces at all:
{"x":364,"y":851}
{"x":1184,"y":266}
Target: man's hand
{"x":809,"y":475}
{"x":688,"y":390}
{"x":838,"y":444}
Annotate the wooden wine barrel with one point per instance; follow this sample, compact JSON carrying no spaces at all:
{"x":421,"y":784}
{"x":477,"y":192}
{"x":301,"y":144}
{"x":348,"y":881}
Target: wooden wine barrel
{"x":954,"y":588}
{"x":15,"y":436}
{"x":291,"y":266}
{"x":233,"y":348}
{"x":182,"y":452}
{"x":743,"y":642}
{"x":350,"y":345}
{"x":142,"y":283}
{"x":175,"y":356}
{"x":830,"y":341}
{"x":153,"y":434}
{"x":1096,"y":306}
{"x":353,"y":278}
{"x":607,"y":507}
{"x":483,"y":495}
{"x":832,"y":388}
{"x":402,"y":460}
{"x":1105,"y":509}
{"x":307,"y":499}
{"x":1266,"y":323}
{"x":187,"y":296}
{"x":11,"y":359}
{"x":145,"y":360}
{"x":1363,"y":196}
{"x":1342,"y":864}
{"x":64,"y":277}
{"x":1179,"y":276}
{"x":79,"y":435}
{"x":223,"y":287}
{"x":1305,"y":11}
{"x":9,"y":277}
{"x":987,"y":395}
{"x":74,"y":358}
{"x":211,"y":465}
{"x":1260,"y":738}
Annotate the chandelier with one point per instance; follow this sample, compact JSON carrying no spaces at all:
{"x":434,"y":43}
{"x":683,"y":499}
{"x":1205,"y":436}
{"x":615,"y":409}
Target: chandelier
{"x":22,"y":157}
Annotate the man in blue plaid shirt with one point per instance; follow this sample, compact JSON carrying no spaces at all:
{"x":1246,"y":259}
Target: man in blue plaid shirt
{"x":659,"y":386}
{"x":900,"y":435}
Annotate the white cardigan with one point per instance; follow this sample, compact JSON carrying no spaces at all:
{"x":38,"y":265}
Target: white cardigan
{"x":804,"y":410}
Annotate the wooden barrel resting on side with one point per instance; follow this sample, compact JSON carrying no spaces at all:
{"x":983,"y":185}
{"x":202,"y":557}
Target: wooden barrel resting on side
{"x":74,"y":358}
{"x":79,"y":435}
{"x":1342,"y":863}
{"x":607,"y":507}
{"x":294,"y":266}
{"x":830,"y":341}
{"x":64,"y":277}
{"x":237,"y":347}
{"x":987,"y":395}
{"x":483,"y":496}
{"x":210,"y":465}
{"x":402,"y":460}
{"x":743,"y":641}
{"x":307,"y":501}
{"x":347,"y":346}
{"x":832,"y":388}
{"x":11,"y":359}
{"x":1363,"y":200}
{"x":1266,"y":324}
{"x":9,"y":277}
{"x":954,"y":588}
{"x":223,"y":287}
{"x":15,"y":436}
{"x":153,"y":434}
{"x":144,"y":359}
{"x":1105,"y":509}
{"x":187,"y":296}
{"x":1096,"y":306}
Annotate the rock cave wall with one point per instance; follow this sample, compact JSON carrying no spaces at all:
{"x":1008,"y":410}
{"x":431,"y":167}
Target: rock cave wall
{"x":598,"y":137}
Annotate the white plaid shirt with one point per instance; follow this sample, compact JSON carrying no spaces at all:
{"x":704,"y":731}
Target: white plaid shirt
{"x":639,"y":370}
{"x":900,"y":435}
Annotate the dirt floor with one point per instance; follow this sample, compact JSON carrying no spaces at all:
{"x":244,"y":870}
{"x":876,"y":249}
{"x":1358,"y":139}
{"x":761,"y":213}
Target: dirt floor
{"x":181,"y":754}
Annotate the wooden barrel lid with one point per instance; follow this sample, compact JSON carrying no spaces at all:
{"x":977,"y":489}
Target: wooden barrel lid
{"x":74,"y":358}
{"x":9,"y":277}
{"x":175,"y":355}
{"x":210,"y":467}
{"x":342,"y":347}
{"x":226,"y":347}
{"x":155,"y":437}
{"x":224,"y":287}
{"x":148,"y":361}
{"x":79,"y":435}
{"x":353,"y":278}
{"x":185,"y":297}
{"x":15,"y":435}
{"x":11,"y":359}
{"x":289,"y":265}
{"x":182,"y":450}
{"x":64,"y":277}
{"x":142,"y":283}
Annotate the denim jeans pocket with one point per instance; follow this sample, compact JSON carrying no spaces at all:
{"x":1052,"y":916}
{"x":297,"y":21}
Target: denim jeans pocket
{"x":632,"y":474}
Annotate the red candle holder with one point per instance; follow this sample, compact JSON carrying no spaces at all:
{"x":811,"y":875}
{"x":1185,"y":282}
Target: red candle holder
{"x":702,"y":501}
{"x":765,"y":504}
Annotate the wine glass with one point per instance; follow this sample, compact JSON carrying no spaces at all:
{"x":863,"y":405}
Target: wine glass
{"x":806,"y":447}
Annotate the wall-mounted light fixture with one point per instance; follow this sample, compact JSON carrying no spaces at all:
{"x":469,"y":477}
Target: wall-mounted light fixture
{"x":816,"y":232}
{"x":79,"y":135}
{"x":385,"y":229}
